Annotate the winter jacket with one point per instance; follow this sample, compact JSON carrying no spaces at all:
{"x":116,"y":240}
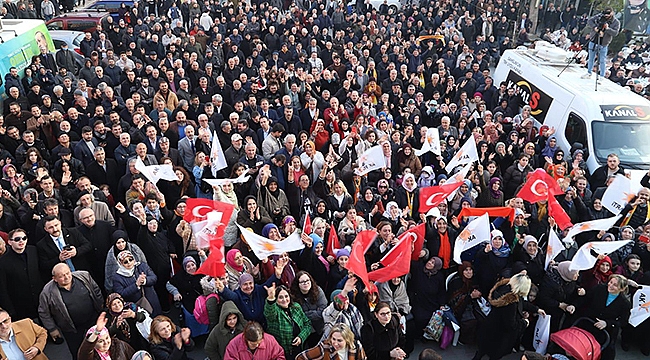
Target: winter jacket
{"x":220,"y":336}
{"x":280,"y":323}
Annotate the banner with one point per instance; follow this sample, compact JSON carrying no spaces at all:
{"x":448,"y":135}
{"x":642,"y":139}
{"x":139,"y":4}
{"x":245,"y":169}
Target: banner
{"x":372,"y":159}
{"x":618,"y":194}
{"x":432,"y":143}
{"x":476,"y":232}
{"x":217,"y":158}
{"x":264,"y":247}
{"x":640,"y":306}
{"x":156,"y":172}
{"x":238,"y":180}
{"x":506,"y":212}
{"x":553,"y":248}
{"x":466,"y":154}
{"x":542,"y":332}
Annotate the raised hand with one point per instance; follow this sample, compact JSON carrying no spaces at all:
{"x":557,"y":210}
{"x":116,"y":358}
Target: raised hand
{"x":270,"y":292}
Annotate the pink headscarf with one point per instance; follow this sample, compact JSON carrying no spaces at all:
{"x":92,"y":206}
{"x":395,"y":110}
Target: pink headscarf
{"x":230,"y":259}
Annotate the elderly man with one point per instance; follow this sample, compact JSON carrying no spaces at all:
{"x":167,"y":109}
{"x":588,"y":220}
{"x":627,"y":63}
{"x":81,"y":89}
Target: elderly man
{"x":69,"y":305}
{"x":99,"y":233}
{"x":22,"y":339}
{"x":87,"y":200}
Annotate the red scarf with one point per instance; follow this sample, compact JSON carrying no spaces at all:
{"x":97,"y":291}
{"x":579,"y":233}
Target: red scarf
{"x":445,"y":250}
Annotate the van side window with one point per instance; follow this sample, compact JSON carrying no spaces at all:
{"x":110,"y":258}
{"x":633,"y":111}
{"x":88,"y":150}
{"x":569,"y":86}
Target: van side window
{"x":576,"y":130}
{"x":55,"y":25}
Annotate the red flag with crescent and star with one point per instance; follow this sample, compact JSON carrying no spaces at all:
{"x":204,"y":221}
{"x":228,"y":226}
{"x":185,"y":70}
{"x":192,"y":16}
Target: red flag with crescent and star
{"x":539,"y":186}
{"x":209,"y":219}
{"x":431,"y":196}
{"x":357,"y":262}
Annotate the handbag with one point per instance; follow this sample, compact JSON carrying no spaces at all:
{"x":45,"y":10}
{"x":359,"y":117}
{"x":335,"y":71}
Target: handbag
{"x":144,"y":303}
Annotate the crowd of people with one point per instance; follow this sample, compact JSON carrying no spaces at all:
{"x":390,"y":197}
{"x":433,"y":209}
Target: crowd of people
{"x":97,"y":255}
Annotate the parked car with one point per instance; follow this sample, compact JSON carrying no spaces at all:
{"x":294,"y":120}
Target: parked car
{"x":111,"y":6}
{"x":78,"y":21}
{"x":73,"y":39}
{"x":394,"y":5}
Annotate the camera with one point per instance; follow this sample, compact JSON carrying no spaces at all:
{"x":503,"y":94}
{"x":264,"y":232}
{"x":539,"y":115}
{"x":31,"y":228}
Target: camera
{"x":602,"y":20}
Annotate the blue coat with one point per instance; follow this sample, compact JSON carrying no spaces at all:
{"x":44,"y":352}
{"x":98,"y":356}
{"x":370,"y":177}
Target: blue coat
{"x":252,"y":307}
{"x":126,"y":287}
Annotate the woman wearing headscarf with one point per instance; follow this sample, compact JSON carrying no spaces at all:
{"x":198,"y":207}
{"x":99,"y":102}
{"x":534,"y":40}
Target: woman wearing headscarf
{"x":136,"y":280}
{"x":123,"y":320}
{"x":406,"y":158}
{"x":98,"y":344}
{"x":559,"y":293}
{"x":185,"y":286}
{"x":549,"y":150}
{"x":231,"y":323}
{"x":408,"y":197}
{"x":120,"y":243}
{"x":312,"y":259}
{"x":369,"y":206}
{"x":272,"y":198}
{"x":626,"y":233}
{"x":237,"y":265}
{"x":527,"y":252}
{"x":427,"y":285}
{"x":505,"y":324}
{"x":441,"y":239}
{"x":341,"y":311}
{"x":491,"y":194}
{"x":492,"y":260}
{"x":597,"y":275}
{"x":393,"y":215}
{"x":463,"y":295}
{"x":12,"y":181}
{"x":465,"y":192}
{"x":159,"y":251}
{"x":322,"y":211}
{"x":636,"y":278}
{"x":337,"y":269}
{"x":252,"y":215}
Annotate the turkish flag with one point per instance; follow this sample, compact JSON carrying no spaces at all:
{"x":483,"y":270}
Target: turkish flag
{"x":332,"y":242}
{"x":400,"y":262}
{"x":214,"y":265}
{"x":556,"y":211}
{"x":431,"y":196}
{"x":307,"y":226}
{"x":357,"y":262}
{"x":414,"y":236}
{"x":208,"y":217}
{"x":539,"y":186}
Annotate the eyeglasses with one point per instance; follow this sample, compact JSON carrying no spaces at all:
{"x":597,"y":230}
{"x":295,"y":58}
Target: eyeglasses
{"x":18,"y":238}
{"x":127,"y":260}
{"x":304,"y":282}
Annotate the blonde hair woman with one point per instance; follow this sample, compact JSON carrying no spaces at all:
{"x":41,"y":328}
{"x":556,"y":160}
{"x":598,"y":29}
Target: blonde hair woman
{"x":340,"y":344}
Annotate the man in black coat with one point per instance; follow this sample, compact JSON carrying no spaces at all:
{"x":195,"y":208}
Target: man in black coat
{"x":99,"y":233}
{"x":62,"y":246}
{"x":102,"y":170}
{"x":20,"y":280}
{"x":600,"y":175}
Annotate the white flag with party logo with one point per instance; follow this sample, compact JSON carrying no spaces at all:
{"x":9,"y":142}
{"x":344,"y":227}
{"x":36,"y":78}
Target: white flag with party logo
{"x":553,"y":248}
{"x":476,"y":232}
{"x":217,"y":157}
{"x":584,"y":259}
{"x":156,"y":172}
{"x":263,"y":247}
{"x":372,"y":159}
{"x":640,"y":306}
{"x":432,"y":143}
{"x":602,"y":224}
{"x":542,"y":332}
{"x":618,"y":194}
{"x":465,"y":155}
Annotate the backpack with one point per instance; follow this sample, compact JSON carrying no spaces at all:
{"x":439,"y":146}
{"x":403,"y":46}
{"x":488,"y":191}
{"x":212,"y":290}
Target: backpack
{"x":201,"y":309}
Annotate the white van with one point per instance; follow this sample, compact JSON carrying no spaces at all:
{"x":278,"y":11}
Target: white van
{"x":605,"y":119}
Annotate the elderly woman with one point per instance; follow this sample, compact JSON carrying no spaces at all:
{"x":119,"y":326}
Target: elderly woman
{"x":237,"y":265}
{"x":125,"y":320}
{"x":252,"y":216}
{"x":306,"y":292}
{"x":527,"y":252}
{"x":121,"y":243}
{"x":286,"y":320}
{"x":341,"y":311}
{"x":167,"y":341}
{"x":559,"y":293}
{"x":185,"y":286}
{"x":492,"y":260}
{"x":98,"y":344}
{"x":506,"y":323}
{"x":135,"y":280}
{"x":607,"y":305}
{"x":272,"y":198}
{"x":340,"y":344}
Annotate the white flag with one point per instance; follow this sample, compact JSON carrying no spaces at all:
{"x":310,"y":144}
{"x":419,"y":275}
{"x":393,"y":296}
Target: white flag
{"x":156,"y":172}
{"x":584,"y":260}
{"x":542,"y":331}
{"x":204,"y":230}
{"x":456,"y":178}
{"x":476,"y":232}
{"x":372,"y":159}
{"x":241,"y":179}
{"x":263,"y":247}
{"x":553,"y":248}
{"x":432,"y":143}
{"x":640,"y":306}
{"x":217,"y":158}
{"x":602,"y":224}
{"x":618,"y":194}
{"x":466,"y":154}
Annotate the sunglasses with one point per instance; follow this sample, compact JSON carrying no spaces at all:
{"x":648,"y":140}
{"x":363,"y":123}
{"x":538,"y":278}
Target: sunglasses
{"x":18,"y":238}
{"x":127,"y":261}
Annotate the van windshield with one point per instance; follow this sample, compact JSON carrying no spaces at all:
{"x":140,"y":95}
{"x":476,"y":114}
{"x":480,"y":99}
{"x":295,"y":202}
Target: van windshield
{"x":630,"y":140}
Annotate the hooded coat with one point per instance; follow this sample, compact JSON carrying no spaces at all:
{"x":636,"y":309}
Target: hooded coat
{"x":220,"y":336}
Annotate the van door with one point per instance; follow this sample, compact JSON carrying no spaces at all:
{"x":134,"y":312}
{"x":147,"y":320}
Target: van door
{"x":575,"y":131}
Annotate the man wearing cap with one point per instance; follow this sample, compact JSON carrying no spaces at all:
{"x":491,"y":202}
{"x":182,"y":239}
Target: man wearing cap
{"x":165,"y":150}
{"x":235,"y":151}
